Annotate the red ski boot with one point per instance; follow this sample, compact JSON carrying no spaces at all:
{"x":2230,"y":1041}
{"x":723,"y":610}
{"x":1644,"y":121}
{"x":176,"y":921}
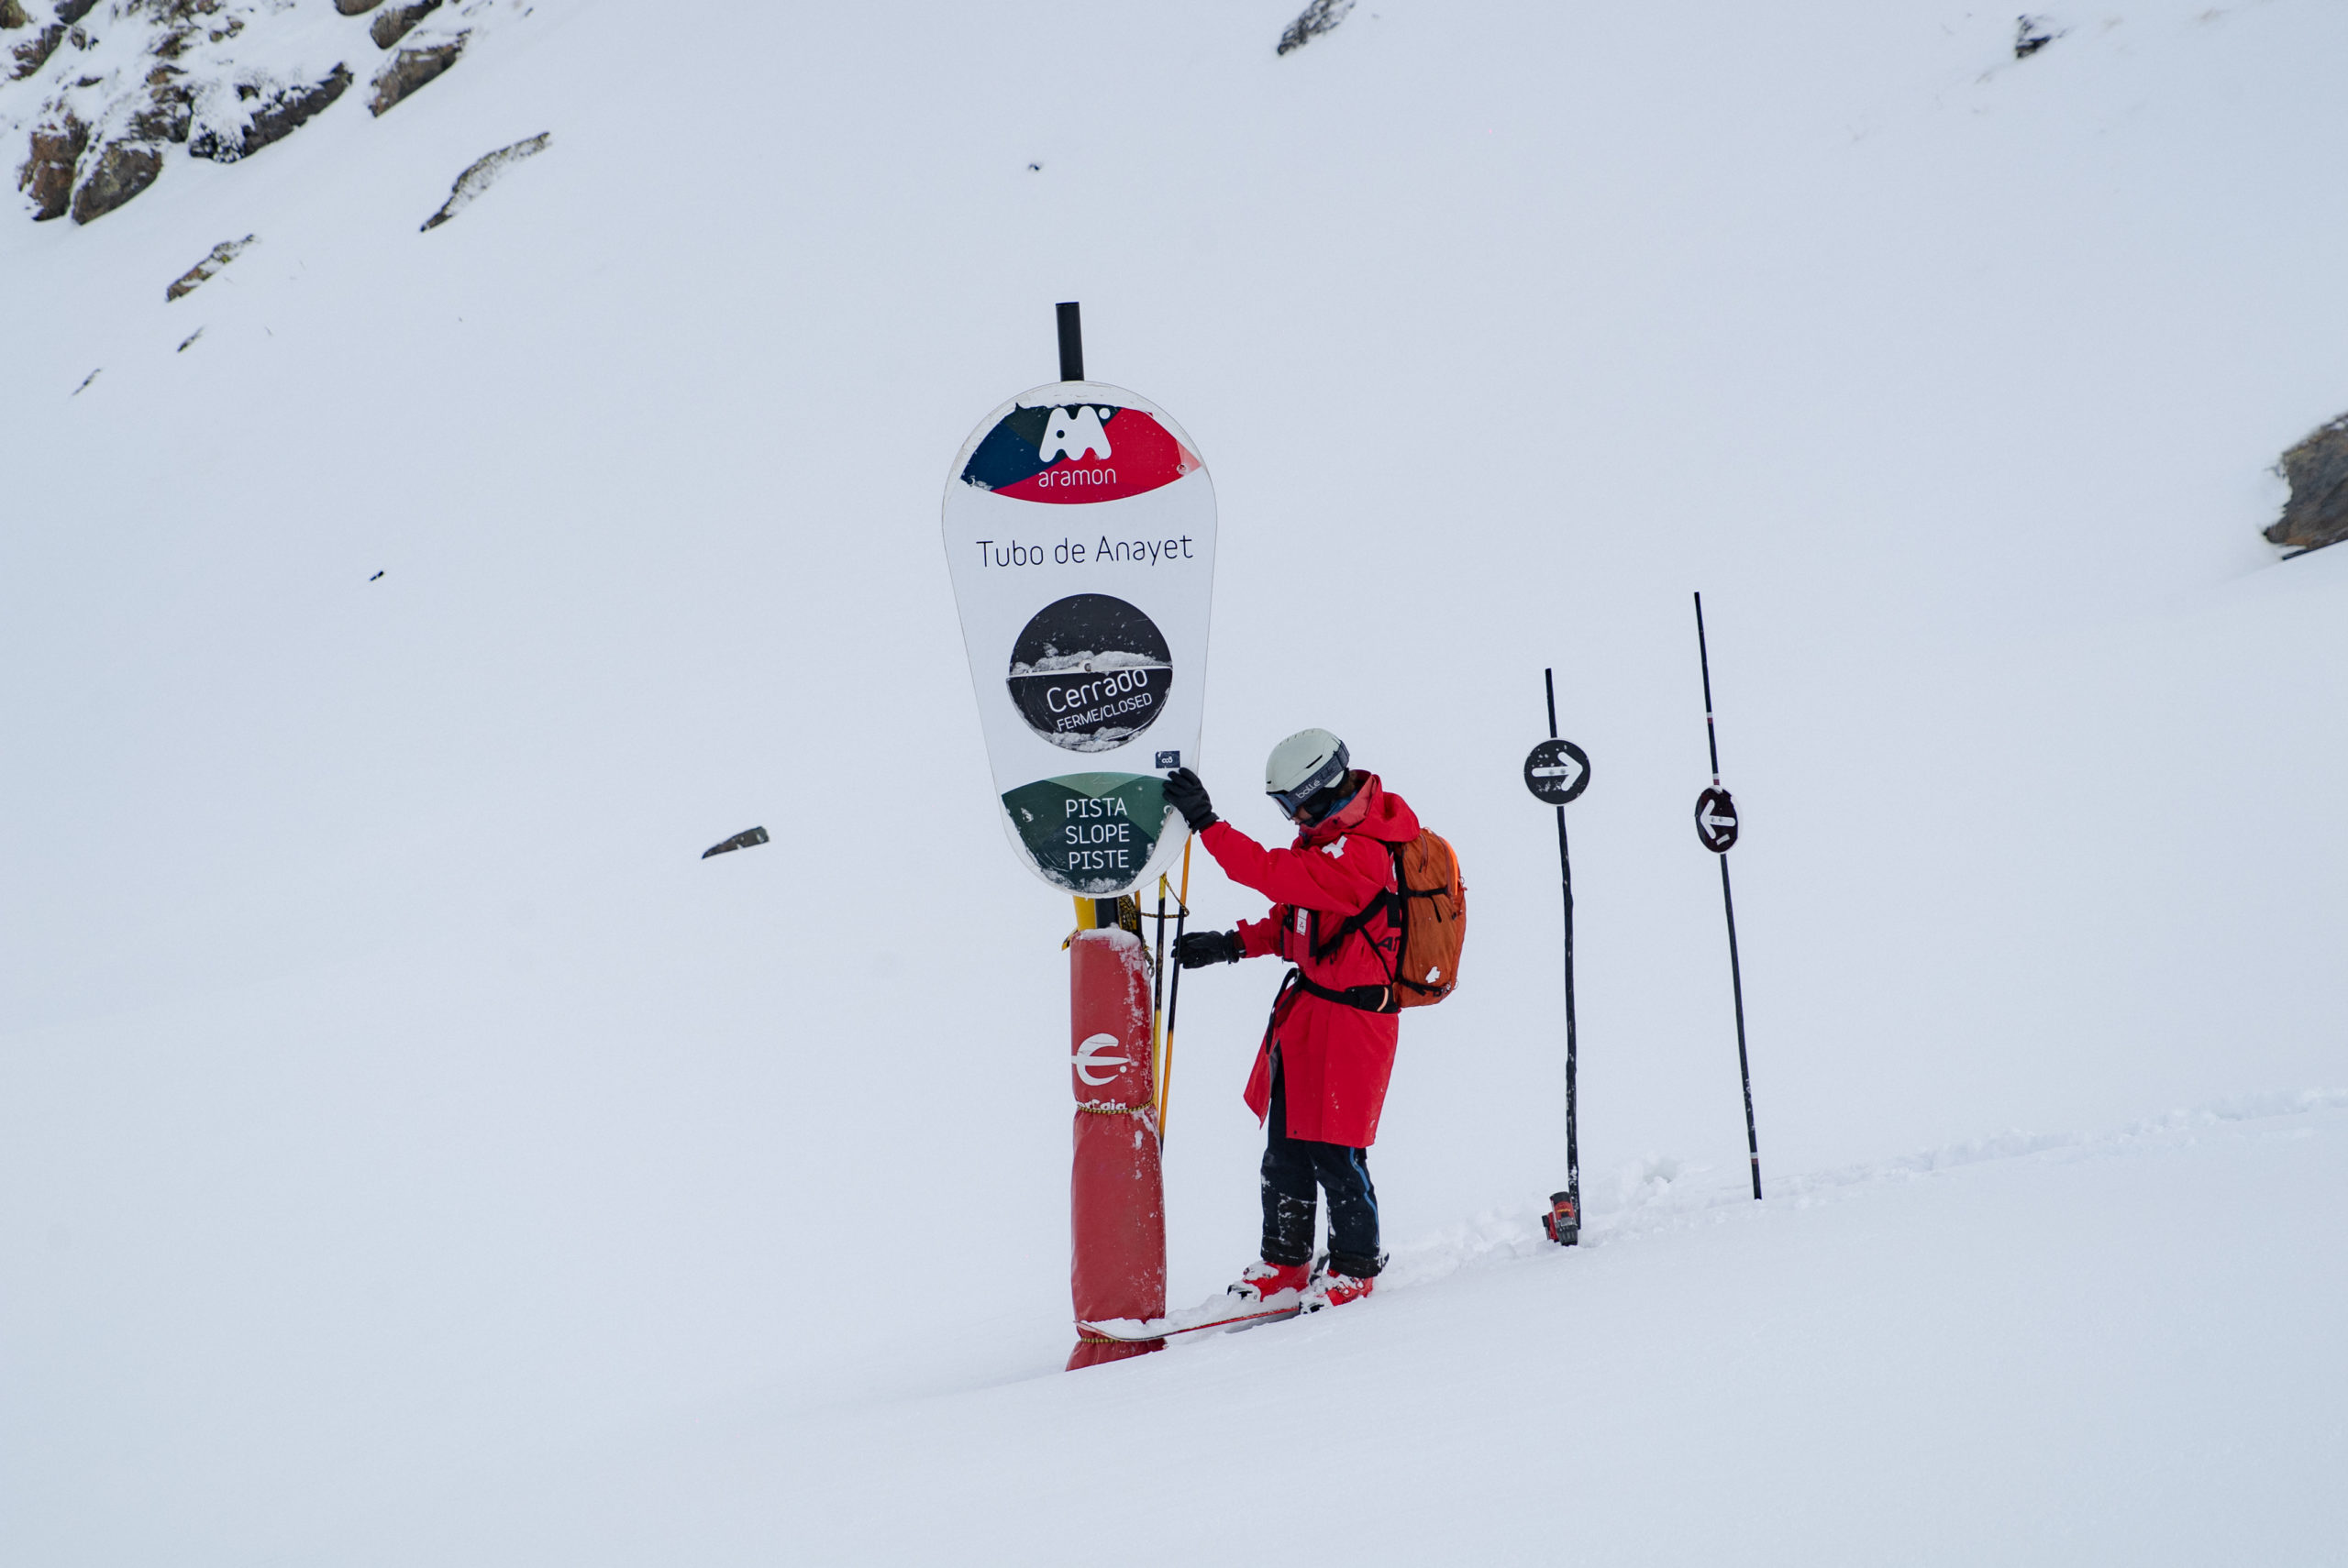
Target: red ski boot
{"x":1332,"y":1289}
{"x":1260,"y":1282}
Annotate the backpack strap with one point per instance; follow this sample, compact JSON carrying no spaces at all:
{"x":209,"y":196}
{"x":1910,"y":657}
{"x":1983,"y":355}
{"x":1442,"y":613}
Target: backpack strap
{"x":1365,"y":999}
{"x":1392,"y":901}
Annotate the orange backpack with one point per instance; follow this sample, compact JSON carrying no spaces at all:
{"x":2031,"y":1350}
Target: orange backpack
{"x":1430,"y":914}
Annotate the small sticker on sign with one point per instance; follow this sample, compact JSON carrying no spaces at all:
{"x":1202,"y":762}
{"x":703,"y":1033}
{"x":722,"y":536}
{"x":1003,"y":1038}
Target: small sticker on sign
{"x":1169,"y":760}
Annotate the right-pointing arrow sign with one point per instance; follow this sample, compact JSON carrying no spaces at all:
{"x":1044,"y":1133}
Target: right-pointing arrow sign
{"x":1557,"y":771}
{"x":1716,"y":820}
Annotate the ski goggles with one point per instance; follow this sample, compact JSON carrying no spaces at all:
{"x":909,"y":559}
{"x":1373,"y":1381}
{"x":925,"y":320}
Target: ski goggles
{"x":1327,"y":775}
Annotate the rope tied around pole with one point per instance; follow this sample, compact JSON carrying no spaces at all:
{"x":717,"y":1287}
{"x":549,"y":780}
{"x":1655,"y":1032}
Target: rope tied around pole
{"x":1107,"y":1108}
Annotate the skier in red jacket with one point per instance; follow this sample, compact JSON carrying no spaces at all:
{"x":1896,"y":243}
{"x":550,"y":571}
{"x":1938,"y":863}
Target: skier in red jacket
{"x":1320,"y":1076}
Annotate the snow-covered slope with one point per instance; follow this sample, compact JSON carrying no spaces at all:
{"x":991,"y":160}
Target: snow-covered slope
{"x":407,"y":1145}
{"x":2113,"y":1350}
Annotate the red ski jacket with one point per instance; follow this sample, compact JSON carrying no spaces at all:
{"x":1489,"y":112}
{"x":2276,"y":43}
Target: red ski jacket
{"x":1334,"y":1059}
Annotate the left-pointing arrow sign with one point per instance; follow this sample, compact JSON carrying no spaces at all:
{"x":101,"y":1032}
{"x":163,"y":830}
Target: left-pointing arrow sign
{"x":1716,"y":820}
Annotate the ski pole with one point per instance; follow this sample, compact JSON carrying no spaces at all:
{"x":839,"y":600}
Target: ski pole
{"x":1158,"y":996}
{"x":1174,"y":993}
{"x":1716,"y":825}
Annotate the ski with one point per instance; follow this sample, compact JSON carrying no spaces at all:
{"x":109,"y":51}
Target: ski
{"x":1197,"y":1320}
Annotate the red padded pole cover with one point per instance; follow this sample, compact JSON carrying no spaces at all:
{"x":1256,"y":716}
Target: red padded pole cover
{"x":1117,"y":1199}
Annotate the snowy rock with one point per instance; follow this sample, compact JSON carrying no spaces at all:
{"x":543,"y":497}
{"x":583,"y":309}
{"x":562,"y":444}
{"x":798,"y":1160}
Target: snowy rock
{"x":1316,"y":18}
{"x":120,"y":171}
{"x":187,"y":283}
{"x":169,"y":110}
{"x":268,"y":116}
{"x":47,"y":175}
{"x":33,"y":53}
{"x":2317,"y":511}
{"x":2035,"y":33}
{"x":222,"y":78}
{"x":392,"y":25}
{"x":411,"y":69}
{"x":483,"y":173}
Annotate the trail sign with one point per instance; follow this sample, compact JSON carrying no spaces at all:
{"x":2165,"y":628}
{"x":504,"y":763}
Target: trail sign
{"x":1557,"y":771}
{"x":1716,"y":826}
{"x":1716,"y":820}
{"x":1080,"y":529}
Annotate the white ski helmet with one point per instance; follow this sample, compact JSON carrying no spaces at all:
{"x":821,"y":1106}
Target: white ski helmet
{"x":1301,"y":767}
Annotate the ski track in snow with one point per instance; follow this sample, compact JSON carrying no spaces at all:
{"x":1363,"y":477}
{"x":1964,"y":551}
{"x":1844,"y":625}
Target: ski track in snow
{"x":1660,"y":1196}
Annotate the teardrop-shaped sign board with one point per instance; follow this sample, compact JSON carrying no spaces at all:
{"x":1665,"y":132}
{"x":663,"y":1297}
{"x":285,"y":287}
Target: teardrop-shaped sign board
{"x":1079,"y":534}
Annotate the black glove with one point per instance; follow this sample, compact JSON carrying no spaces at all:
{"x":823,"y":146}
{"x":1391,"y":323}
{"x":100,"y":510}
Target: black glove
{"x":1197,"y":949}
{"x":1188,"y":796}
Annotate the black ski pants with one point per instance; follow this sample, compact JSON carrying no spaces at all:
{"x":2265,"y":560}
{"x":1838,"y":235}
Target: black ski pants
{"x":1292,"y":1168}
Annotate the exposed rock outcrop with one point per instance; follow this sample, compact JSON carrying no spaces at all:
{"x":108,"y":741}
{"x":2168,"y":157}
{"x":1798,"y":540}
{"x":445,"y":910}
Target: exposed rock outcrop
{"x":2317,"y":511}
{"x":389,"y":26}
{"x":168,"y":111}
{"x":30,"y":55}
{"x":187,"y":283}
{"x":411,"y":69}
{"x":483,"y":173}
{"x":47,"y":175}
{"x":118,"y":172}
{"x":222,"y":78}
{"x":269,"y":116}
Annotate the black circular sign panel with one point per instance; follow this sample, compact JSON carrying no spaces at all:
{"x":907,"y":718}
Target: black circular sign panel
{"x":1716,"y":820}
{"x":1557,"y":771}
{"x":1091,"y":672}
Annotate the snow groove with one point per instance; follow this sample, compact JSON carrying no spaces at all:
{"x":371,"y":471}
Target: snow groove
{"x":1656,"y":1194}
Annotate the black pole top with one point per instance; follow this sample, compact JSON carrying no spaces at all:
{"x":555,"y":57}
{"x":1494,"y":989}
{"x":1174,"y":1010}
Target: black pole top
{"x":1071,"y":342}
{"x":1704,"y":658}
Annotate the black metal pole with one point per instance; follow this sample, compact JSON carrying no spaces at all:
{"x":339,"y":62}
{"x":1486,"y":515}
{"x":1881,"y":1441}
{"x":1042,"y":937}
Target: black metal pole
{"x":1705,"y":659}
{"x":1071,"y":342}
{"x":1728,"y":906}
{"x":1736,"y":988}
{"x":1565,"y":877}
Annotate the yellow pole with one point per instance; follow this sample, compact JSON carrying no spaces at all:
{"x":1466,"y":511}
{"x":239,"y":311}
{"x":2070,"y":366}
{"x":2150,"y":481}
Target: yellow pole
{"x":1165,"y":1072}
{"x":1157,"y":1018}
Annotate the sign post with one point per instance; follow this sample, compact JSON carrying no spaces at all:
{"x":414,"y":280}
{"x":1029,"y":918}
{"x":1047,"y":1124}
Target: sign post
{"x":1557,"y":772}
{"x":1079,"y":532}
{"x":1716,"y":829}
